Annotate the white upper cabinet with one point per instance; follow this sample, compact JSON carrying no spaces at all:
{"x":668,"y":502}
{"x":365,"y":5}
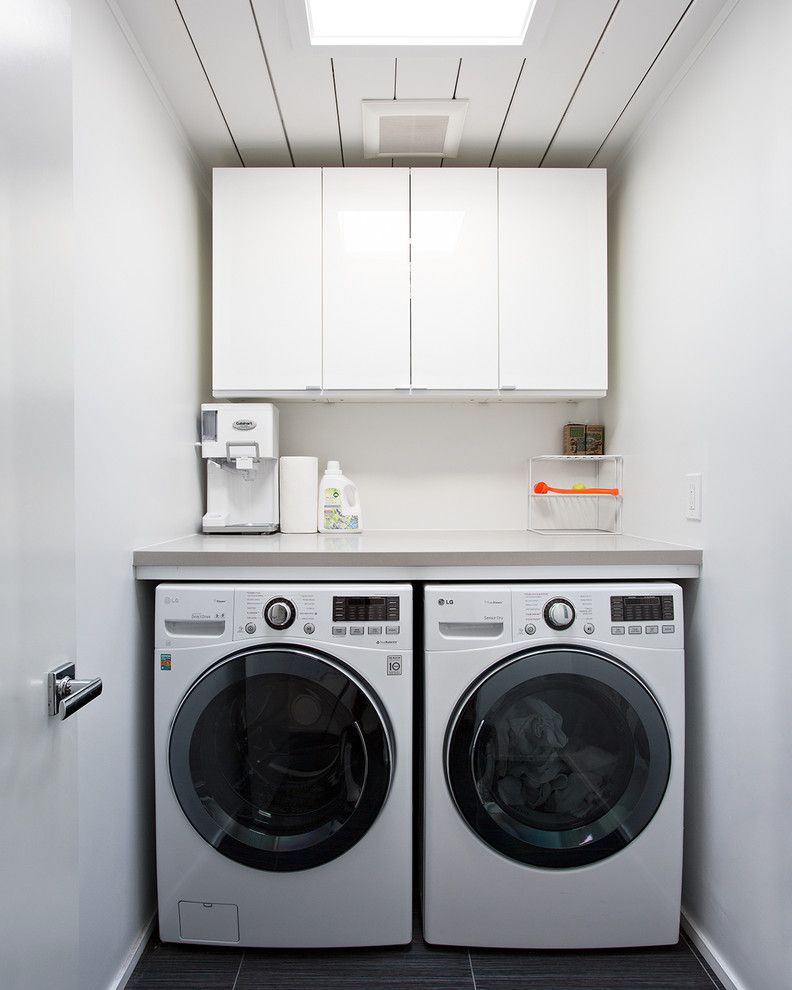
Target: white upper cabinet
{"x":267,"y":267}
{"x":366,"y":278}
{"x":454,"y":238}
{"x":553,"y":279}
{"x":377,"y":280}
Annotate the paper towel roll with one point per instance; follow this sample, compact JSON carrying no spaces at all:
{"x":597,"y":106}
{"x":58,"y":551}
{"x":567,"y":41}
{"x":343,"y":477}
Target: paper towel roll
{"x":299,"y":486}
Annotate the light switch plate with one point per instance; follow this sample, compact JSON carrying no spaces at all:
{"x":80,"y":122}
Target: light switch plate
{"x":693,"y":503}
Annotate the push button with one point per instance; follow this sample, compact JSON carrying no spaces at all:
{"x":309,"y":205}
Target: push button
{"x":588,"y":629}
{"x":530,"y":629}
{"x":650,"y":630}
{"x":375,"y":630}
{"x":617,"y":630}
{"x":356,"y":630}
{"x":668,"y":629}
{"x":634,"y":630}
{"x":309,"y":628}
{"x":250,"y":628}
{"x":339,"y":630}
{"x":392,"y":630}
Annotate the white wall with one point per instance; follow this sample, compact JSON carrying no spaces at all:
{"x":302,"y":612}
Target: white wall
{"x":701,"y":309}
{"x":433,"y":465}
{"x":141,"y":340}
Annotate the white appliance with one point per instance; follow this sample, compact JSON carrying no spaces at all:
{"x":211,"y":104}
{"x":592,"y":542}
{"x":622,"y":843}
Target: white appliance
{"x":240,"y":445}
{"x":554,"y":742}
{"x":283,"y":748}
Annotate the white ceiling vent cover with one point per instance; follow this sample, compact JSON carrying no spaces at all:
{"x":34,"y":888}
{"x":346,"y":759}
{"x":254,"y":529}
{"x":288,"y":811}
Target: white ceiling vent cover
{"x":412,"y":128}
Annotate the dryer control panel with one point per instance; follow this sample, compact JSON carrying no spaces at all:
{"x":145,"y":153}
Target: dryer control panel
{"x":634,"y":614}
{"x":472,"y":616}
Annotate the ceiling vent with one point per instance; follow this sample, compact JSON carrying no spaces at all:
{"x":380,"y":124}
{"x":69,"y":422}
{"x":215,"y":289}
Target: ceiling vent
{"x":412,"y":128}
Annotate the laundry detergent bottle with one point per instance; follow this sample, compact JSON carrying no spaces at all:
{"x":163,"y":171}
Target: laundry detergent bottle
{"x":339,"y":503}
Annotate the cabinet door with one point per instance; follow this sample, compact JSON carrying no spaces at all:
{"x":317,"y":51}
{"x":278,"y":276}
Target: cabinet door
{"x":267,"y":243}
{"x":454,"y":238}
{"x":366,"y":283}
{"x":553,"y":279}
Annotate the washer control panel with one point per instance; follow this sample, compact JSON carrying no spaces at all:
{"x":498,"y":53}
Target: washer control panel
{"x":370,"y":616}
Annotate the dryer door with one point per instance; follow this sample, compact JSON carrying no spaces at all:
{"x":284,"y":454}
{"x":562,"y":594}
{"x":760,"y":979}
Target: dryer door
{"x":280,"y":758}
{"x":558,"y":757}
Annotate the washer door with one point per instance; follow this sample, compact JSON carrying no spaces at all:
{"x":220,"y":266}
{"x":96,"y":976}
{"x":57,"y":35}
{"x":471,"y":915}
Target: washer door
{"x":558,"y":757}
{"x":280,"y":758}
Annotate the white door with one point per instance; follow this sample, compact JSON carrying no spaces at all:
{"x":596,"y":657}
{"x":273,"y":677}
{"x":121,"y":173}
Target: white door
{"x":553,"y":279}
{"x":38,"y":755}
{"x":454,"y":238}
{"x":366,"y":283}
{"x":267,"y":280}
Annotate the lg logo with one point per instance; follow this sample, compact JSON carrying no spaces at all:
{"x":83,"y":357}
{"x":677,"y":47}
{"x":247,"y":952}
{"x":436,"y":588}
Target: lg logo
{"x":445,"y":601}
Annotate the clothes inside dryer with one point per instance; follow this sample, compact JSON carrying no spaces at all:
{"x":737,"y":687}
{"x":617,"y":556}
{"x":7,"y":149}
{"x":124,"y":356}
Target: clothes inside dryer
{"x":558,"y":757}
{"x":559,"y":751}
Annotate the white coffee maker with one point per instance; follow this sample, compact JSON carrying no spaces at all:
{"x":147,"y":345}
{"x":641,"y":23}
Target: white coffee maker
{"x":240,"y":445}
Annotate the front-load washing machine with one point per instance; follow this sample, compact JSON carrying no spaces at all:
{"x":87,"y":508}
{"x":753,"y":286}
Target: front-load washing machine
{"x":283,"y":745}
{"x":553,"y":765}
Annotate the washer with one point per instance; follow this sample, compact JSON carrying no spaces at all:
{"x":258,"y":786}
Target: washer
{"x":553,"y":771}
{"x":283,"y":747}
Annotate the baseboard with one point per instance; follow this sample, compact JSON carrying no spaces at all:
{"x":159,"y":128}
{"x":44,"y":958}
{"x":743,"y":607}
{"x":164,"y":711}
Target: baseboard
{"x":707,"y":952}
{"x":133,"y":956}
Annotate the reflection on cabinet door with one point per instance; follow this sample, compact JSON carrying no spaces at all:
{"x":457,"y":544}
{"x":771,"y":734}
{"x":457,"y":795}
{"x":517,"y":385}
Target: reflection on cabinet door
{"x":553,"y":279}
{"x":267,"y":244}
{"x":454,"y":278}
{"x":366,"y":280}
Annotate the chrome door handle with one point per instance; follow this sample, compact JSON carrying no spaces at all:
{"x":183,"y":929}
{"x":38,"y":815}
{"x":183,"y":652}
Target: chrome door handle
{"x":66,"y":695}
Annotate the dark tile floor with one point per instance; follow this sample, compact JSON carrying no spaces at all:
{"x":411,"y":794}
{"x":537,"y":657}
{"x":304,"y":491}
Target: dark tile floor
{"x":419,"y":966}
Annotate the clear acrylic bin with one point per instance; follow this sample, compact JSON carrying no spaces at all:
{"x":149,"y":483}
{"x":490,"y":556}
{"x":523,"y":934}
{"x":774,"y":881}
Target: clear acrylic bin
{"x":576,"y":513}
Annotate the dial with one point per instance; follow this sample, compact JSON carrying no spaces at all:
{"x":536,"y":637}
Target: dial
{"x":279,"y":613}
{"x":559,"y":613}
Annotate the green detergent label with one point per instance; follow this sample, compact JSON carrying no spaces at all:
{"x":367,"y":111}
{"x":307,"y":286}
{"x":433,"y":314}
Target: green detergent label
{"x":332,"y":511}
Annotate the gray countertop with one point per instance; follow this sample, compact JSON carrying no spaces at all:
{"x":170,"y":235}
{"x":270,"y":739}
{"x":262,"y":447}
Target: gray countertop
{"x":420,"y":555}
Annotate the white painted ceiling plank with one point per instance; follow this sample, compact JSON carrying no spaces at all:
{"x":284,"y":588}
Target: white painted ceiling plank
{"x":227,"y":41}
{"x":683,"y":48}
{"x":159,"y":31}
{"x":425,"y":78}
{"x":636,"y":33}
{"x":553,"y":67}
{"x":488,"y":83}
{"x":304,"y":87}
{"x":358,"y":79}
{"x":562,"y":40}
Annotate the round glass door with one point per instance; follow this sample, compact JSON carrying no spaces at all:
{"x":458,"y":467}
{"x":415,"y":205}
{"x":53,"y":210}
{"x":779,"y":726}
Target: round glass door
{"x":280,"y":759}
{"x":558,"y":757}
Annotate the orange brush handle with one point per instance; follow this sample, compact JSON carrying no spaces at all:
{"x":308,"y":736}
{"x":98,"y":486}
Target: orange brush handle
{"x":540,"y":488}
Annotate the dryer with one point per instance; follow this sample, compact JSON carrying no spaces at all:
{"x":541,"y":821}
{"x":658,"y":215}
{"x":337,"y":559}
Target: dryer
{"x":283,"y":747}
{"x":553,"y":766}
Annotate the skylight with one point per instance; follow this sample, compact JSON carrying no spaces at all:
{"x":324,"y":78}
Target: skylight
{"x":418,"y":22}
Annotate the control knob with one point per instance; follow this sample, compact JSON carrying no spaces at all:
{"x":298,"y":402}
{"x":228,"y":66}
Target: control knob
{"x":279,"y":613}
{"x":559,"y":613}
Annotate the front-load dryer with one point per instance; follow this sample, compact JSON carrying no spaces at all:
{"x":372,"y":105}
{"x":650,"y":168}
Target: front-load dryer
{"x":283,"y":745}
{"x":553,"y":765}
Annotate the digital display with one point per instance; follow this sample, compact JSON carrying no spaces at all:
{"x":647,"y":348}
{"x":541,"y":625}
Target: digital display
{"x":380,"y":609}
{"x":642,"y":608}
